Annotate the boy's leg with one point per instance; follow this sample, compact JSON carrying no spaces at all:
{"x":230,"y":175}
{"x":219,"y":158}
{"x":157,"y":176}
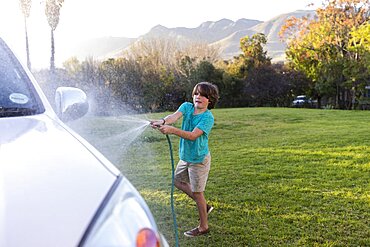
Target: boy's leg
{"x":191,"y":178}
{"x":198,"y":175}
{"x":202,"y":210}
{"x":200,"y":201}
{"x":185,"y":187}
{"x":182,"y":178}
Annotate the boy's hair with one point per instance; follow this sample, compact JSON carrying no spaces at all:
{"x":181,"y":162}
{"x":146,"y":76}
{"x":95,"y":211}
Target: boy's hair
{"x":208,"y":90}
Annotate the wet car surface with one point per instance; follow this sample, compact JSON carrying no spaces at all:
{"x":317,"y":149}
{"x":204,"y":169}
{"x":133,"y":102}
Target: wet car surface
{"x":55,"y":188}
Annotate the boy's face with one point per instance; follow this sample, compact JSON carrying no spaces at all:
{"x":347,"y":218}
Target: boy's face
{"x":200,"y":101}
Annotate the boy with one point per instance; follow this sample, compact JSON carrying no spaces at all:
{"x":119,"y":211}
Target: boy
{"x":195,"y":160}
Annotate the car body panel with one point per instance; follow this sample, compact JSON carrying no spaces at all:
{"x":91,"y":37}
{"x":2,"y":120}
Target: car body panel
{"x":39,"y":155}
{"x":56,"y":189}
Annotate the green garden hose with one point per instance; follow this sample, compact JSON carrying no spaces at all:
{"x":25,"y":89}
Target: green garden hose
{"x":172,"y":190}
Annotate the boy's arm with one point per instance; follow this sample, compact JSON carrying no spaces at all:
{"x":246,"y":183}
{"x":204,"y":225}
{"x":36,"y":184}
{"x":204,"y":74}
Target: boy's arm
{"x":170,"y":119}
{"x":189,"y":135}
{"x":204,"y":126}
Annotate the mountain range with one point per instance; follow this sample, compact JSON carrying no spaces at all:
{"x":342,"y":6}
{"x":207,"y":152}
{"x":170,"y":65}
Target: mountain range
{"x":223,"y":33}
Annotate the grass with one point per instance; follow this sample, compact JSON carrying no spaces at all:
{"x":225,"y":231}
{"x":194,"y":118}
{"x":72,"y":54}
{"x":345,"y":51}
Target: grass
{"x":279,"y":177}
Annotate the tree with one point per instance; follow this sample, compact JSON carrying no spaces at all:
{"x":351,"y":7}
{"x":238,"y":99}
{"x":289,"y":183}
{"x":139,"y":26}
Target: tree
{"x":72,"y":66}
{"x":358,"y":69}
{"x":26,"y":9}
{"x":319,"y":48}
{"x":168,"y":69}
{"x":52,"y":12}
{"x":239,"y":72}
{"x":265,"y":86}
{"x":253,"y":56}
{"x":359,"y":46}
{"x":253,"y":49}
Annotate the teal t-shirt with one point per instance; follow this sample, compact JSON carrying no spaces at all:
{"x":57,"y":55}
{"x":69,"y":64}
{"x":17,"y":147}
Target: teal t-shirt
{"x":195,"y":151}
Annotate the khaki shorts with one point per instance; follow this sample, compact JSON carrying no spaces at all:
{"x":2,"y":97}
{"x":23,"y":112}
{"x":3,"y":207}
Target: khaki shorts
{"x":194,"y":173}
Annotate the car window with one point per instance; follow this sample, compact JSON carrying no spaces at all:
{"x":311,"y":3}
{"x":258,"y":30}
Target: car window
{"x":17,"y":95}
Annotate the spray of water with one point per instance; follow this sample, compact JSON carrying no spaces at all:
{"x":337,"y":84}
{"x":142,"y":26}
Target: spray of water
{"x":129,"y":119}
{"x":111,"y":126}
{"x":113,"y":135}
{"x":128,"y":136}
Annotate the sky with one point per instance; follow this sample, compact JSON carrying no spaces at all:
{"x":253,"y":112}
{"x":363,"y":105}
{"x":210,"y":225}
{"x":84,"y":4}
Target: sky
{"x":84,"y":19}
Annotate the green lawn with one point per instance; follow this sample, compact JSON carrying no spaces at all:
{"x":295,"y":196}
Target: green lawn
{"x":279,"y":176}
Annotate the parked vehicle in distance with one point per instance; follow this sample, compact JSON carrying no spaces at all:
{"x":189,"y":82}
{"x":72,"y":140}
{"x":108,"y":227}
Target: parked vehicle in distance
{"x":302,"y":101}
{"x":55,"y":188}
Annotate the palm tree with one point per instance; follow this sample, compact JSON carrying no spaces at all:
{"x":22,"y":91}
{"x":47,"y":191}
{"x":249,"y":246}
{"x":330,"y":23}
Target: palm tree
{"x":52,"y":12}
{"x":26,"y":9}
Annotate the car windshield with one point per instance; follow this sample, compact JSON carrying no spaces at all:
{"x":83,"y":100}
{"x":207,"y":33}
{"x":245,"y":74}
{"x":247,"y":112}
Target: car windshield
{"x":17,"y":95}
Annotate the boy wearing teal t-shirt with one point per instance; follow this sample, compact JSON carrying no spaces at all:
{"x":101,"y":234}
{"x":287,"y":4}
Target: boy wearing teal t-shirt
{"x":195,"y":159}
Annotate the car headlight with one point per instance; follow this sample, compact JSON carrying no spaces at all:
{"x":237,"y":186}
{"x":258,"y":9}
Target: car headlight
{"x":124,"y":219}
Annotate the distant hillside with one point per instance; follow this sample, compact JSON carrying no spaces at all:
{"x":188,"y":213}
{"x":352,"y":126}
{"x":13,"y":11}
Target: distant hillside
{"x":230,"y":45}
{"x":224,"y":33}
{"x":208,"y":31}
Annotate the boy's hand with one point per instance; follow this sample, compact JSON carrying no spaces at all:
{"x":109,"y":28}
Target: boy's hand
{"x":166,"y":129}
{"x":155,"y":124}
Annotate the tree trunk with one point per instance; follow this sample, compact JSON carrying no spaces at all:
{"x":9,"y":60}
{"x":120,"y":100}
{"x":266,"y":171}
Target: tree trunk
{"x":52,"y":59}
{"x":353,"y":98}
{"x":27,"y":46}
{"x":337,"y":98}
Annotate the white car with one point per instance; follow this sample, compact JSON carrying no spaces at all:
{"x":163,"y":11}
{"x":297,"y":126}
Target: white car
{"x":301,"y":100}
{"x":55,"y":188}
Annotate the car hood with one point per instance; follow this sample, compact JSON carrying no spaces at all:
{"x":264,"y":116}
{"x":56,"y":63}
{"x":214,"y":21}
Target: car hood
{"x":51,"y":184}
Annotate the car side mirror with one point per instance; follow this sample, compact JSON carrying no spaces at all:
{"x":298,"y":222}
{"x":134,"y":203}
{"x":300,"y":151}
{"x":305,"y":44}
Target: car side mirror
{"x":71,"y":103}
